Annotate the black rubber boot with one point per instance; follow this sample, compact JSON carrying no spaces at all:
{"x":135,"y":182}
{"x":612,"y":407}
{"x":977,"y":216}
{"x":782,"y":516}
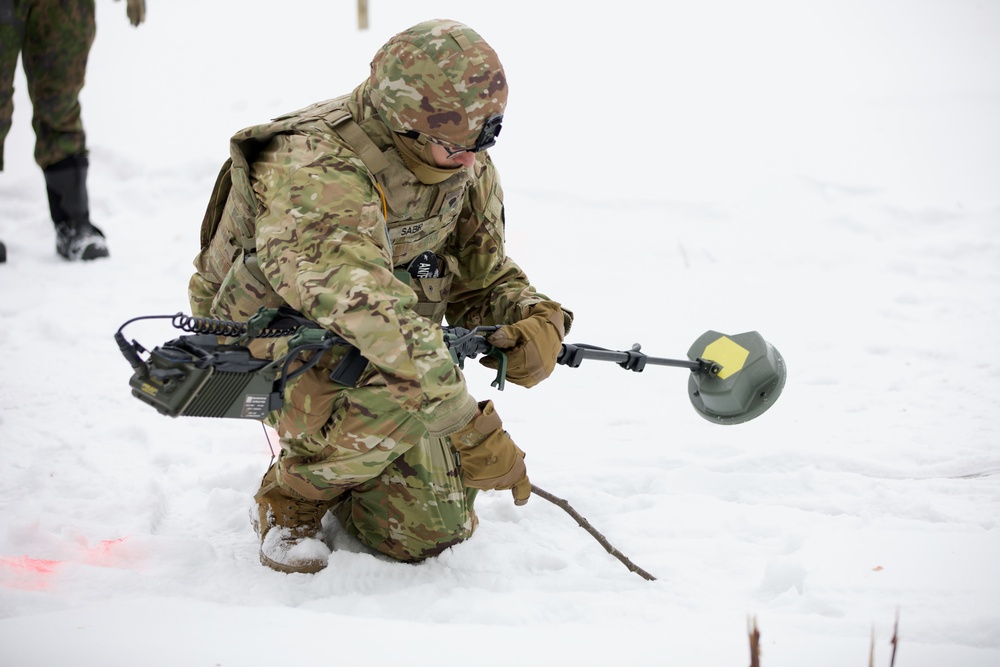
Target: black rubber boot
{"x":3,"y":253}
{"x":76,"y":237}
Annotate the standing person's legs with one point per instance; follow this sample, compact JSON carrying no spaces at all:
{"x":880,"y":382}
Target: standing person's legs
{"x":57,"y":40}
{"x":12,"y":15}
{"x":58,"y":35}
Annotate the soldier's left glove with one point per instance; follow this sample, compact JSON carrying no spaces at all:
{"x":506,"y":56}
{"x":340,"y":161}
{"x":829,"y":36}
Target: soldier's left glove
{"x":532,"y":345}
{"x":490,"y":459}
{"x":136,"y":10}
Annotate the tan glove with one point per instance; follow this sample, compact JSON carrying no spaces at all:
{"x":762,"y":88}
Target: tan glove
{"x":532,"y":345}
{"x":490,"y":459}
{"x":136,"y":10}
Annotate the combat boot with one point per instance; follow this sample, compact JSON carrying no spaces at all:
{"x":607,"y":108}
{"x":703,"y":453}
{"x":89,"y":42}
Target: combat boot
{"x":76,"y":237}
{"x":288,"y":527}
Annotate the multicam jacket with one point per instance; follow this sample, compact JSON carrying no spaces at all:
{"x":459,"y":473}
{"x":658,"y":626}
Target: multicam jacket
{"x":317,"y":210}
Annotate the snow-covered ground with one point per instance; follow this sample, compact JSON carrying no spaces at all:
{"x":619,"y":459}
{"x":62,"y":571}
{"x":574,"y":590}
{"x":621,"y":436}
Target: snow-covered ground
{"x":826,"y":173}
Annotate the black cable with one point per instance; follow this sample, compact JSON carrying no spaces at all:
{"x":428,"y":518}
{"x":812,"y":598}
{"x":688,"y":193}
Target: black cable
{"x":227,"y":328}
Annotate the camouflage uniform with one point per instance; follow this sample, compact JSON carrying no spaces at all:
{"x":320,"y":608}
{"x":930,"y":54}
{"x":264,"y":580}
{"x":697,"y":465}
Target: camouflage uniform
{"x":54,"y":39}
{"x":319,"y":210}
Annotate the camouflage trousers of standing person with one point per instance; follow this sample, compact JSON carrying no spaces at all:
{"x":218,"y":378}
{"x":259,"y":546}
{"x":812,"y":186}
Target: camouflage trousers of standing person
{"x":53,"y":38}
{"x":392,"y":486}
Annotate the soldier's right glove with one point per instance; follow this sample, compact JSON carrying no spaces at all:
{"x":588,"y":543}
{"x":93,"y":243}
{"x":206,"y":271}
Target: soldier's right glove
{"x":136,"y":10}
{"x":532,"y":345}
{"x":490,"y":459}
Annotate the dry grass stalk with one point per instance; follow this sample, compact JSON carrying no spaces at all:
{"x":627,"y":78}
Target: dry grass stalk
{"x":754,"y":632}
{"x":895,"y":640}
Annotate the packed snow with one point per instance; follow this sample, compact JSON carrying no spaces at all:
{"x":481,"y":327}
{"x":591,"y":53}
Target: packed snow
{"x":824,"y":173}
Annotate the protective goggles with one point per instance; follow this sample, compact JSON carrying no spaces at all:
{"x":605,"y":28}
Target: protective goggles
{"x":486,"y":138}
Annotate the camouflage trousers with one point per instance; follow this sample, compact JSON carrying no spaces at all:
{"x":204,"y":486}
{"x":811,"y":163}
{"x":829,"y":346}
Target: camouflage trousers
{"x":393,"y":487}
{"x":53,"y":38}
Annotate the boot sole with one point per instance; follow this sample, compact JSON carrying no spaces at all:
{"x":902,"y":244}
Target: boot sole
{"x":89,"y":253}
{"x":305,"y":568}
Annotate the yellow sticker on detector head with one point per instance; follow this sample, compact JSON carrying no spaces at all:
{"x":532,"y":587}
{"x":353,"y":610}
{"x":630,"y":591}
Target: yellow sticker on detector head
{"x":728,"y":354}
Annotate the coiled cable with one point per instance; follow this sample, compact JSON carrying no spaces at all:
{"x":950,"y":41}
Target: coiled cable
{"x":227,"y":328}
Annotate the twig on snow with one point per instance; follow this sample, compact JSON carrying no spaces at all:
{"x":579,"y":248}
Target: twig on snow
{"x":590,"y":529}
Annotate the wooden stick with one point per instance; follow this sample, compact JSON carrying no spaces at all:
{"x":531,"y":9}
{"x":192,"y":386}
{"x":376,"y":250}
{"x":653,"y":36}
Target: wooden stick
{"x":559,"y":502}
{"x":362,"y":14}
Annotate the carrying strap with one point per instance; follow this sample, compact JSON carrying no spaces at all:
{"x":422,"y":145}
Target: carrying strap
{"x":352,"y":134}
{"x":371,"y":155}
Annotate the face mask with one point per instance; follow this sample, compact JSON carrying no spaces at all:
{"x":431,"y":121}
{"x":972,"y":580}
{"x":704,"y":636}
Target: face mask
{"x":422,"y":164}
